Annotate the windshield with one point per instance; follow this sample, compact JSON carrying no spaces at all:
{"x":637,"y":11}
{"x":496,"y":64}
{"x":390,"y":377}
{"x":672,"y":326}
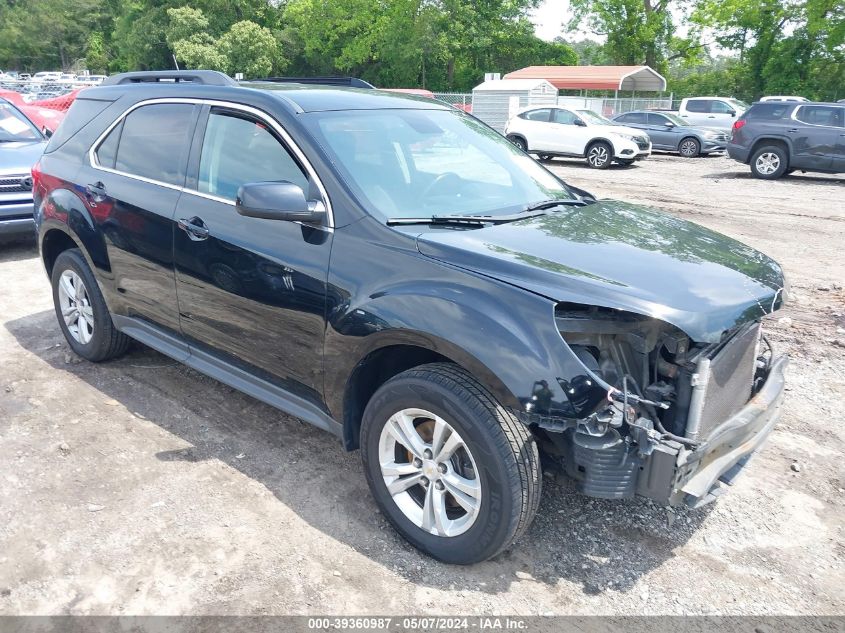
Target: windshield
{"x":411,"y":163}
{"x":14,"y":126}
{"x":739,"y":104}
{"x":593,"y":118}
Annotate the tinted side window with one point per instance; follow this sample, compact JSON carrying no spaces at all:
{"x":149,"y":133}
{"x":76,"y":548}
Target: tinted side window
{"x":154,"y":142}
{"x":236,"y":150}
{"x":625,"y":118}
{"x":565,"y":117}
{"x":537,"y":115}
{"x":657,"y":119}
{"x":829,"y":116}
{"x":768,"y":111}
{"x":636,"y":117}
{"x":107,"y":152}
{"x":698,"y":105}
{"x":82,"y":111}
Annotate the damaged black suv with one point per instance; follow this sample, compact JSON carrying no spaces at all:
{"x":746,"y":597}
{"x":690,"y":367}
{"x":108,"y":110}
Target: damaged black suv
{"x":394,"y":271}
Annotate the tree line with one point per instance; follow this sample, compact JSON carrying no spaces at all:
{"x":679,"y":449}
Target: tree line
{"x":744,"y":48}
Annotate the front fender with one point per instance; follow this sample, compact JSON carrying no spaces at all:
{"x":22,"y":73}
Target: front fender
{"x":504,"y":336}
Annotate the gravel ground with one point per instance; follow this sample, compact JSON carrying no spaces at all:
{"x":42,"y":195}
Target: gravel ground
{"x":141,"y":487}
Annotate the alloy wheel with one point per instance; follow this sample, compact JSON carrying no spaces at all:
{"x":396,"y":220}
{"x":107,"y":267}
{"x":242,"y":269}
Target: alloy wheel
{"x":767,"y":163}
{"x":689,"y":148}
{"x":598,"y":156}
{"x":76,"y":307}
{"x":429,"y":472}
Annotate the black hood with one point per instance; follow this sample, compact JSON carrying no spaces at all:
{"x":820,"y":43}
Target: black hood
{"x":618,"y":255}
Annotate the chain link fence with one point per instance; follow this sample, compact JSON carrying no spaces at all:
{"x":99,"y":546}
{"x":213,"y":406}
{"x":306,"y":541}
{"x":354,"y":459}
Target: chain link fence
{"x":606,"y":106}
{"x":462,"y":101}
{"x":54,"y":95}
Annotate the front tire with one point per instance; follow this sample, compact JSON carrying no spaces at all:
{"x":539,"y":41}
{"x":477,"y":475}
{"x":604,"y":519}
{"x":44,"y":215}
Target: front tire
{"x":689,"y":147}
{"x":599,"y":155}
{"x":453,"y":471}
{"x":81,"y":310}
{"x":769,"y":162}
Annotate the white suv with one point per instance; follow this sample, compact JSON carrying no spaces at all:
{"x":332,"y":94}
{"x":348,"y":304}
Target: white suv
{"x":557,"y":131}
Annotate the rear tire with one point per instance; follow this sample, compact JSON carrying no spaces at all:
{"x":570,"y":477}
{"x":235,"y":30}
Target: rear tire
{"x":769,"y":162}
{"x":599,"y":155}
{"x":81,"y":310}
{"x":519,"y":142}
{"x":493,"y":460}
{"x":689,"y":147}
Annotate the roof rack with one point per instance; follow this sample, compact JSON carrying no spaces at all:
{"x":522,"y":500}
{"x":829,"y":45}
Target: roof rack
{"x":202,"y":77}
{"x":349,"y":82}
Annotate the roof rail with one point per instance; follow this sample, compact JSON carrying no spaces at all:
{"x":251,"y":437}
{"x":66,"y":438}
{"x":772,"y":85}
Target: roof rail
{"x":349,"y":82}
{"x":202,"y":77}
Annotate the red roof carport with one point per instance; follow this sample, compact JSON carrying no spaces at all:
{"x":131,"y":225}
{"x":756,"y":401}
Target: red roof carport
{"x":633,"y":78}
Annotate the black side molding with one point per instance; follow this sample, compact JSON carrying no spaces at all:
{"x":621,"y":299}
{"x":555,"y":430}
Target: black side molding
{"x":202,"y":77}
{"x":226,"y":373}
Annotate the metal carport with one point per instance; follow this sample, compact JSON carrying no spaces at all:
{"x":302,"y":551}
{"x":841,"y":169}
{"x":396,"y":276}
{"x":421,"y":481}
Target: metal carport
{"x":616,"y":78}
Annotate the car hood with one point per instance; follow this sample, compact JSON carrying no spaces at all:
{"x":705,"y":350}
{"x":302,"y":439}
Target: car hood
{"x":617,"y":255}
{"x":18,"y":157}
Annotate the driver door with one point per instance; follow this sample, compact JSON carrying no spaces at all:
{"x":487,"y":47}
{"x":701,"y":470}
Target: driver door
{"x":251,"y":291}
{"x":568,"y":137}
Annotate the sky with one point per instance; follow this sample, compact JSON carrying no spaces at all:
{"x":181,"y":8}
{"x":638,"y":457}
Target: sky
{"x":549,"y":19}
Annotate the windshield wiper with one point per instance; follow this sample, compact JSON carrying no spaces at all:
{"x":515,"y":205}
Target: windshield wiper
{"x":467,"y":219}
{"x":550,"y":204}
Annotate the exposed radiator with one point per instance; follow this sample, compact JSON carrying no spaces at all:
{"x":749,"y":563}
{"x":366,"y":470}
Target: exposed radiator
{"x":722,"y":382}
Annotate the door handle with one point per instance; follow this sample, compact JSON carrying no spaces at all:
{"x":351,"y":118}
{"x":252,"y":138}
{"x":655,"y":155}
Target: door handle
{"x":195,"y":228}
{"x":795,"y":129}
{"x":96,"y":191}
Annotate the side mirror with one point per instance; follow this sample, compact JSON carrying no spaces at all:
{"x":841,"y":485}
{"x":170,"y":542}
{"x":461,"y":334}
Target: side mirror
{"x":669,"y":124}
{"x":732,"y":112}
{"x":580,"y":123}
{"x":47,"y":132}
{"x":280,"y":200}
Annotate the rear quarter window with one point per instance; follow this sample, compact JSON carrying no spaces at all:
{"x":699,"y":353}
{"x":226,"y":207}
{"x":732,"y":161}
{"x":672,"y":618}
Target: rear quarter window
{"x":768,"y":111}
{"x":82,"y":112}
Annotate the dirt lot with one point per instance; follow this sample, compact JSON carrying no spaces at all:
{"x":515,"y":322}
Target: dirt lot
{"x":139,"y":486}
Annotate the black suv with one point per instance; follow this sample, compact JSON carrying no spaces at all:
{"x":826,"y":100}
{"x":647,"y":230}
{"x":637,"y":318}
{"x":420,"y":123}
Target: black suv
{"x":777,"y":138}
{"x":395,"y":272}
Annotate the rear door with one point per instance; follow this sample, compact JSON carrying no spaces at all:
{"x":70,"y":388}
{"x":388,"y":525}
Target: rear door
{"x":816,"y":136}
{"x":131,"y":187}
{"x":697,"y":112}
{"x":252,"y":292}
{"x":535,"y":126}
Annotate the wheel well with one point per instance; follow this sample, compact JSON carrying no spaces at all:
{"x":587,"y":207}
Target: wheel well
{"x":371,"y":373}
{"x":519,"y":136}
{"x":688,"y":138}
{"x":53,"y":244}
{"x":769,"y":141}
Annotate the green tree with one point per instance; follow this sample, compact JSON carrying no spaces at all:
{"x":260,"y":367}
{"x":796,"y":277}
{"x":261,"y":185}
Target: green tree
{"x":252,"y":50}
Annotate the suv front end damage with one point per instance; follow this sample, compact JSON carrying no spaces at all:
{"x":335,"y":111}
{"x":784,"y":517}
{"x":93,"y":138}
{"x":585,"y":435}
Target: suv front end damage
{"x":679,"y":419}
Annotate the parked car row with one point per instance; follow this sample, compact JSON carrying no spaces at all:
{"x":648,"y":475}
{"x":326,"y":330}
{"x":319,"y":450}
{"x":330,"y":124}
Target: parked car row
{"x":774,"y":137}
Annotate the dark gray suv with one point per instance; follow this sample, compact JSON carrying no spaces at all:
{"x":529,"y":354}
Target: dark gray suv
{"x":781,"y":137}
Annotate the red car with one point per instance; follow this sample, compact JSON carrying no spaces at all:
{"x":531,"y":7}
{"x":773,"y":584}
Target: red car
{"x":45,"y":114}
